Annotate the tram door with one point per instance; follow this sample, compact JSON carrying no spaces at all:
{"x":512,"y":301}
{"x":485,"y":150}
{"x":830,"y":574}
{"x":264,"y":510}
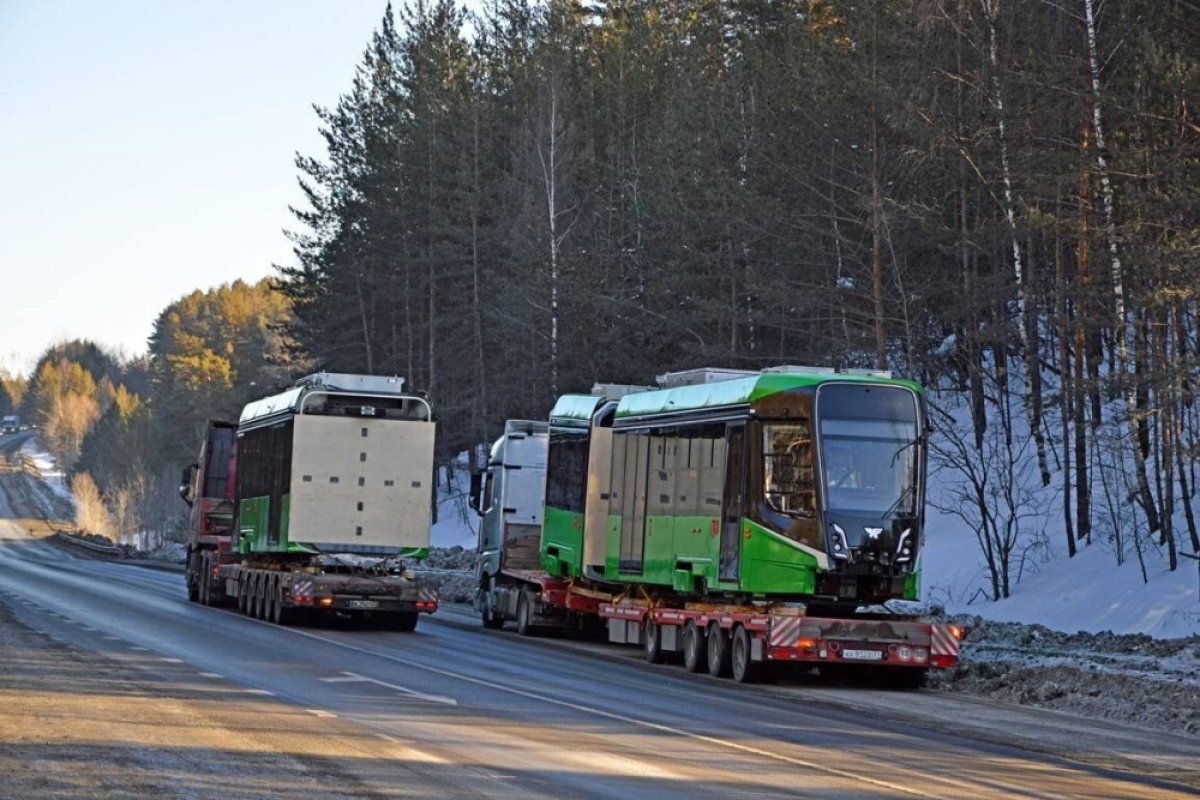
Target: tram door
{"x":734,"y":502}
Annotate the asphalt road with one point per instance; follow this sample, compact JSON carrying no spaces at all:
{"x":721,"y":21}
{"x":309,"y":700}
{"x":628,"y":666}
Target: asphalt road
{"x":465,"y":712}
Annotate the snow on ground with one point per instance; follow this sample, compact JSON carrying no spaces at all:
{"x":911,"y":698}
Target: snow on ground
{"x":457,"y":523}
{"x":1089,"y":592}
{"x":52,"y":475}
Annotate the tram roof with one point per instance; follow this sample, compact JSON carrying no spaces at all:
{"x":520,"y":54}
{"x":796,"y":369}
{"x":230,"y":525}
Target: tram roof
{"x":574,"y":409}
{"x":736,"y":392}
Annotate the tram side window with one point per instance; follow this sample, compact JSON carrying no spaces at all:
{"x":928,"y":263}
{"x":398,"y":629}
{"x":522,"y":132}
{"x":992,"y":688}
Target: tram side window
{"x":712,"y":475}
{"x":789,"y":483}
{"x":566,"y":472}
{"x":617,"y":475}
{"x":660,"y":492}
{"x":687,"y":477}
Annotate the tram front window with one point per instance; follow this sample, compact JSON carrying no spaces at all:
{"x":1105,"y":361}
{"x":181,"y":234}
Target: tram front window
{"x":869,"y":450}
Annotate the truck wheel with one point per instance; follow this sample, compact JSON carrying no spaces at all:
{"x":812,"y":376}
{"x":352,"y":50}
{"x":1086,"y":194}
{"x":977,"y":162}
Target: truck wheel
{"x":487,"y":604}
{"x":718,"y":651}
{"x":403,"y":621}
{"x":193,"y":591}
{"x":744,"y":669}
{"x":524,"y":615}
{"x":695,"y":655}
{"x":653,"y":643}
{"x":241,"y":598}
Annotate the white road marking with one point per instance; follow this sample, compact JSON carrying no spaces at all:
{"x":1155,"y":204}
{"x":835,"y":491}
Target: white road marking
{"x":113,"y":638}
{"x":350,"y":677}
{"x":262,"y":692}
{"x":172,"y":660}
{"x":641,"y":723}
{"x":210,"y":675}
{"x":318,"y":712}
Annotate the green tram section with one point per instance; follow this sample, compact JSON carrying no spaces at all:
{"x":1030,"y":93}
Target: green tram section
{"x":789,"y":483}
{"x":326,"y":469}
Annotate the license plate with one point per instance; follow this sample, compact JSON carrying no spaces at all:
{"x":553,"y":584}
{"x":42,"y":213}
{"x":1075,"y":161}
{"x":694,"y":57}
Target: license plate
{"x":863,"y":655}
{"x":363,"y":604}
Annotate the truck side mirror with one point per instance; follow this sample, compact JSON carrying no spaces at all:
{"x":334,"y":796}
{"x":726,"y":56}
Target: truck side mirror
{"x":476,"y":491}
{"x":185,"y":482}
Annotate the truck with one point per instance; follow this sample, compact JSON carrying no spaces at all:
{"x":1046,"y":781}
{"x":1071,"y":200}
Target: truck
{"x":10,"y":424}
{"x":314,"y":504}
{"x":742,"y":520}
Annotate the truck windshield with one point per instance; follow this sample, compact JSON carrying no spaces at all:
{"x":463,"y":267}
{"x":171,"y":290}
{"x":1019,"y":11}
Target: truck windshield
{"x":788,"y":468}
{"x":869,"y":455}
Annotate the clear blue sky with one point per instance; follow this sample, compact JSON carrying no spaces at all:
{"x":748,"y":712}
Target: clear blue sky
{"x":146,"y":150}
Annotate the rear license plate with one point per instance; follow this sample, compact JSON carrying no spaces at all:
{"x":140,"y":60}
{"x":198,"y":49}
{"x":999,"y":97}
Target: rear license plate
{"x":863,"y":655}
{"x":363,"y":604}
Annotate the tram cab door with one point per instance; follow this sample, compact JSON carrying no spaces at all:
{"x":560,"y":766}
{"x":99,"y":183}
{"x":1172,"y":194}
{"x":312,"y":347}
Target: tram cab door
{"x":734,"y":502}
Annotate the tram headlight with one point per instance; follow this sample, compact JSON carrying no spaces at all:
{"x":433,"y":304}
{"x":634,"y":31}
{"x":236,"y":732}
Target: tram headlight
{"x":841,"y":547}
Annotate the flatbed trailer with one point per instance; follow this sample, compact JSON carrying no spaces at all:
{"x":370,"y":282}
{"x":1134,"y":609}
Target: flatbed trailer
{"x":732,"y":640}
{"x":740,"y":640}
{"x":307,"y":594}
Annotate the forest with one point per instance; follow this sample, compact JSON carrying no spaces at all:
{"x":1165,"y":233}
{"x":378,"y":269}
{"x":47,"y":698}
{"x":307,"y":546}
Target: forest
{"x":996,"y":198}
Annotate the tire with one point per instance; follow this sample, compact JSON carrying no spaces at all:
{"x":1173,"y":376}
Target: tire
{"x":193,"y":591}
{"x":260,"y":599}
{"x":241,"y":599}
{"x":403,"y":621}
{"x":744,"y":669}
{"x":524,"y":615}
{"x":653,"y":643}
{"x":695,"y":654}
{"x":283,"y":614}
{"x":491,"y":620}
{"x":205,"y":582}
{"x":718,"y":651}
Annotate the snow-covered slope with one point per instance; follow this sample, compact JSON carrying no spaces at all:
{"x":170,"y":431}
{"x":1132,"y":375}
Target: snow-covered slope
{"x":1089,"y":592}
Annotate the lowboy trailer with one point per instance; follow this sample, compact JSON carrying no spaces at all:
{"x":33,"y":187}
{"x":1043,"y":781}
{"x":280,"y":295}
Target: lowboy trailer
{"x":311,"y":505}
{"x":741,"y":519}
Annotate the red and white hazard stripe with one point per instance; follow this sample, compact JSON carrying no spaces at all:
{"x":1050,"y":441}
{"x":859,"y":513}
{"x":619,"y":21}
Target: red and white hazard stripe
{"x":943,"y":642}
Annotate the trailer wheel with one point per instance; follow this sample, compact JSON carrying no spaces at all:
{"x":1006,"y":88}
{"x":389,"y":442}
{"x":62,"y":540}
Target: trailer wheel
{"x":283,"y":614}
{"x":745,"y":670}
{"x":653,"y":643}
{"x":487,"y":604}
{"x":260,"y":599}
{"x":241,"y":598}
{"x":718,"y":651}
{"x":524,"y":614}
{"x":695,"y":655}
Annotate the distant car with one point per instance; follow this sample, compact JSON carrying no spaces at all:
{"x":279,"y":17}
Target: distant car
{"x":10,"y":424}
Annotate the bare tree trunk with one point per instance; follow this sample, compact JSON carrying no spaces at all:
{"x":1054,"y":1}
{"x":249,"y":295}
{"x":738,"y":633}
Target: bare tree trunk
{"x":479,"y":409}
{"x":1064,"y":393}
{"x":876,"y":205}
{"x":1121,"y":326}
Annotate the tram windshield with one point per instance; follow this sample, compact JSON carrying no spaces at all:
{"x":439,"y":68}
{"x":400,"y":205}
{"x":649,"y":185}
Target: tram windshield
{"x":869,"y":449}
